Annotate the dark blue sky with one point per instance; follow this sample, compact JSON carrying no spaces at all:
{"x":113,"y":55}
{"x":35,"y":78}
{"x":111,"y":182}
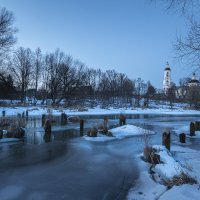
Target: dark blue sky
{"x":131,"y":36}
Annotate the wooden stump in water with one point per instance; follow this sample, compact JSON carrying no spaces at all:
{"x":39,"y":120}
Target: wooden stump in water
{"x":192,"y":129}
{"x":197,"y":126}
{"x":92,"y":132}
{"x":3,"y":113}
{"x":122,"y":120}
{"x":26,"y":114}
{"x":23,"y":115}
{"x":43,"y":119}
{"x":1,"y":134}
{"x":63,"y":118}
{"x":105,"y":124}
{"x":81,"y":127}
{"x":155,"y":158}
{"x":47,"y":126}
{"x":182,"y":137}
{"x":47,"y":137}
{"x":166,"y":140}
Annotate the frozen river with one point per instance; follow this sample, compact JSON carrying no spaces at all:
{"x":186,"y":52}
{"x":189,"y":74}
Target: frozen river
{"x":70,"y":167}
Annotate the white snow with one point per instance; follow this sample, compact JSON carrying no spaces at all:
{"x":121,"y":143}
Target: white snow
{"x":145,"y":188}
{"x":168,"y":168}
{"x":148,"y":189}
{"x":38,"y":111}
{"x":120,"y":133}
{"x":183,"y":192}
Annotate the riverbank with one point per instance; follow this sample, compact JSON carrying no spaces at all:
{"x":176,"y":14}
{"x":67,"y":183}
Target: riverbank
{"x":38,"y":111}
{"x":184,"y":160}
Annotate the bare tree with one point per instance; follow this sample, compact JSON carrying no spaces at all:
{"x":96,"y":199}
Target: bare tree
{"x":149,"y":93}
{"x":171,"y":95}
{"x":7,"y":31}
{"x":21,"y":70}
{"x":194,"y":96}
{"x":188,"y":47}
{"x":140,"y":90}
{"x":37,"y":69}
{"x":62,"y":75}
{"x":53,"y":63}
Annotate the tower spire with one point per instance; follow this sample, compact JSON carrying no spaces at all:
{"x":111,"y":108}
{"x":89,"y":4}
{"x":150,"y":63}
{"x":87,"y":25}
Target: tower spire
{"x":167,"y":78}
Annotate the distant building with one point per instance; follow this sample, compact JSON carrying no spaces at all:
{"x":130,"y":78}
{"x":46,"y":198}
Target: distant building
{"x":194,"y":82}
{"x":180,"y":91}
{"x":167,"y":78}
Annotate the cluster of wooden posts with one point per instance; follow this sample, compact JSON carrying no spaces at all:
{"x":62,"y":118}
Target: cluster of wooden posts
{"x":166,"y":139}
{"x":194,"y":126}
{"x":23,"y":115}
{"x":154,"y":158}
{"x":47,"y":122}
{"x":104,"y":129}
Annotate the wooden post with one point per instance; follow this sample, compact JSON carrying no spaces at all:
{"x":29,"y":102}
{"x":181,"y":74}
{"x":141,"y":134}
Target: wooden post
{"x":197,"y":126}
{"x":182,"y":137}
{"x":63,"y":118}
{"x":166,"y":140}
{"x":47,"y":126}
{"x":47,"y":137}
{"x":81,"y":127}
{"x":92,"y":132}
{"x":155,"y":158}
{"x":1,"y":134}
{"x":105,"y":124}
{"x":122,"y":120}
{"x":3,"y":113}
{"x":43,"y":119}
{"x":192,"y":129}
{"x":23,"y":115}
{"x":26,"y":113}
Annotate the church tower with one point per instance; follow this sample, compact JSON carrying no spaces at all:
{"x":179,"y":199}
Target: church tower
{"x":167,"y":78}
{"x":193,"y":82}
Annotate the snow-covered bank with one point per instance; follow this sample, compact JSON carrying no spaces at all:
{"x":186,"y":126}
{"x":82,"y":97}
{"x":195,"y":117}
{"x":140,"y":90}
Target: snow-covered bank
{"x":38,"y":111}
{"x":149,"y":188}
{"x":120,"y":133}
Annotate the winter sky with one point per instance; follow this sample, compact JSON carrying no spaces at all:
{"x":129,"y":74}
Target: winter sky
{"x":131,"y":36}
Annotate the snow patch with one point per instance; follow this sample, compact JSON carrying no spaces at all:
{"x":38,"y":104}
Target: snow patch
{"x":120,"y":133}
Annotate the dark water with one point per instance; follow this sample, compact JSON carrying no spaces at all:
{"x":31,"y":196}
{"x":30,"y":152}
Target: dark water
{"x":66,"y":166}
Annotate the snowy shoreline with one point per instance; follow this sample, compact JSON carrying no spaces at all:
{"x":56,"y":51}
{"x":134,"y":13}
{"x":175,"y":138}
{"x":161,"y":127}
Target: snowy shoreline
{"x":38,"y":111}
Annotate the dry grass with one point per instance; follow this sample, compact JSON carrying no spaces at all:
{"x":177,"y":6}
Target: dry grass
{"x":181,"y":179}
{"x":15,"y":128}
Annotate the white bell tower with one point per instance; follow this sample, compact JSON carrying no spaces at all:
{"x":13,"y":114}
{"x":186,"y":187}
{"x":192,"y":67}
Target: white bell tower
{"x":167,"y":78}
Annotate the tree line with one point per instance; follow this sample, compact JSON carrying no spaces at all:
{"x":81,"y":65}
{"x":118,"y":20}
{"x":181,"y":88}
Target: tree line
{"x":55,"y":75}
{"x":58,"y":77}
